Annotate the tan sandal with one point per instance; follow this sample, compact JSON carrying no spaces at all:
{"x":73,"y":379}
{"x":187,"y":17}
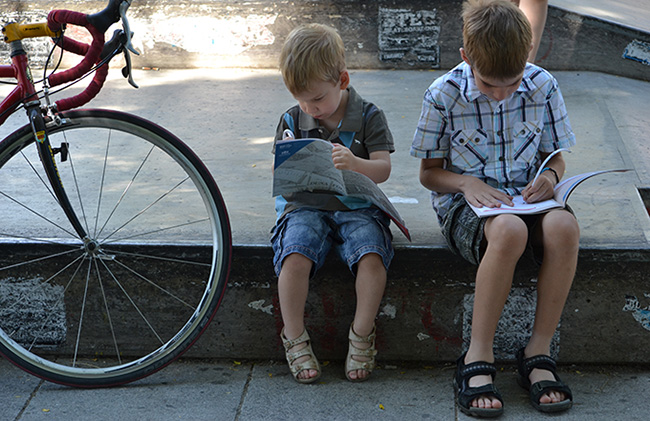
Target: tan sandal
{"x":351,"y":364}
{"x":309,"y":364}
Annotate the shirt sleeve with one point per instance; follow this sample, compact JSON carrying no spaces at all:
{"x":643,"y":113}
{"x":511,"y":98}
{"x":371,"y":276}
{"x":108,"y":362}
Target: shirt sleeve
{"x":378,"y":136}
{"x":557,"y":131}
{"x":431,"y":139}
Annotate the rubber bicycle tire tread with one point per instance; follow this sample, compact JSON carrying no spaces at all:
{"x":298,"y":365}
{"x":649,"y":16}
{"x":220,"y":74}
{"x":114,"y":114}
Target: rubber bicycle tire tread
{"x":25,"y":136}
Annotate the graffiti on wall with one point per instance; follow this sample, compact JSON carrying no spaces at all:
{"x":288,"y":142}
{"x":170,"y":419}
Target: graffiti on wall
{"x":515,"y":325}
{"x":409,"y":36}
{"x":638,"y":51}
{"x":641,"y":315}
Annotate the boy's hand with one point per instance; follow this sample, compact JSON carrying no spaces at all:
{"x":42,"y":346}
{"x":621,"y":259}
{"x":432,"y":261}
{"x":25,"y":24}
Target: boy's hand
{"x":541,"y":190}
{"x":480,"y":194}
{"x":343,"y":158}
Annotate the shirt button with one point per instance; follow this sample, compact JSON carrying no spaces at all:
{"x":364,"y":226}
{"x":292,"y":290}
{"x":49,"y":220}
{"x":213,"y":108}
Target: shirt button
{"x":502,"y":158}
{"x":500,"y":133}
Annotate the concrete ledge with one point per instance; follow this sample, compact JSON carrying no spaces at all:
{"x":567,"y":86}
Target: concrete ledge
{"x":387,"y":34}
{"x":427,"y":307}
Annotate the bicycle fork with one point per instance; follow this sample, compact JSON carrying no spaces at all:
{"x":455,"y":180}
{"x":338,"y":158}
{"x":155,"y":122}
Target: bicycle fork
{"x":47,"y":157}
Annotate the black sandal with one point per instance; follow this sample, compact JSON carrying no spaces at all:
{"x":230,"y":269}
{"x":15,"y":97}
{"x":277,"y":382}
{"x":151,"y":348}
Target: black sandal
{"x":543,"y":362}
{"x":466,"y":394}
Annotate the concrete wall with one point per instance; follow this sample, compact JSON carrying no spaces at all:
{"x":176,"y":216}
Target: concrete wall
{"x":405,"y":34}
{"x":426,"y":311}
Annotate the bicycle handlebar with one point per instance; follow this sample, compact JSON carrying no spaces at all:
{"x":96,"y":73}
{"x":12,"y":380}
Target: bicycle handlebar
{"x":96,"y":24}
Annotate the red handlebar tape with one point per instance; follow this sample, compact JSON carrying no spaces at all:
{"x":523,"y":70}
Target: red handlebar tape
{"x":56,"y":19}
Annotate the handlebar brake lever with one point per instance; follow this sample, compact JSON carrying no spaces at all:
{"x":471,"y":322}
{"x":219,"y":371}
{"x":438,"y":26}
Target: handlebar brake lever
{"x":126,"y":70}
{"x":127,"y":29}
{"x":115,"y":46}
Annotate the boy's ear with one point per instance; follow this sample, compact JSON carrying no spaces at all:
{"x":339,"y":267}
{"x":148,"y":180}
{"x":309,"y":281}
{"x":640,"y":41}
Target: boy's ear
{"x":345,"y":79}
{"x":464,"y":56}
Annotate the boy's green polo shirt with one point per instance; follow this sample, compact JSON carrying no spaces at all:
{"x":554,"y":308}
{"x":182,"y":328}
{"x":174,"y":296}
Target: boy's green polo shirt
{"x":363,"y":130}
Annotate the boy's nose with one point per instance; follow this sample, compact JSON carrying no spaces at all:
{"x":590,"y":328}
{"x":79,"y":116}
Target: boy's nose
{"x":499,"y":94}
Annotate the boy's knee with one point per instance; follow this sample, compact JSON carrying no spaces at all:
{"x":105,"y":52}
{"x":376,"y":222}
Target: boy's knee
{"x":508,"y":232}
{"x":297,"y":263}
{"x":561,"y":229}
{"x":372,"y":261}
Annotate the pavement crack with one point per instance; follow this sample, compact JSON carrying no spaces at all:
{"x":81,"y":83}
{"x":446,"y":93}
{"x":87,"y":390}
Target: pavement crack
{"x":244,"y":393}
{"x":29,"y":400}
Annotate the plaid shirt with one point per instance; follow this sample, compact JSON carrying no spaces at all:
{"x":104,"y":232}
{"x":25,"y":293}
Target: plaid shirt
{"x":497,"y":141}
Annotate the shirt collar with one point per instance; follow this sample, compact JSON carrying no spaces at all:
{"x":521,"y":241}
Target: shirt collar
{"x":352,"y":119}
{"x":527,"y":86}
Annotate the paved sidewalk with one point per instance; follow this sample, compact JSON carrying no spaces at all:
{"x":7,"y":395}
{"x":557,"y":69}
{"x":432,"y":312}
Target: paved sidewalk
{"x":230,"y":390}
{"x":632,"y":13}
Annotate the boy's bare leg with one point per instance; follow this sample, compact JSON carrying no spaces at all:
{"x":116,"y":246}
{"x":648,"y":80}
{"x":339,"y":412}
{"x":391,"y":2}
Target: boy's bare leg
{"x":293,"y":286}
{"x":506,"y":236}
{"x":370,"y":285}
{"x":560,"y":235}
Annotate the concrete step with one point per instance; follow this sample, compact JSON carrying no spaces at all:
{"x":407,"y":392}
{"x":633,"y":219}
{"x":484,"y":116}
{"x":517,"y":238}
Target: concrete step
{"x":228,"y":116}
{"x":426,"y":308}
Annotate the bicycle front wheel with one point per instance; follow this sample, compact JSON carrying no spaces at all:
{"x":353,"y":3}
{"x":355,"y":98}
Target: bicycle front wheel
{"x":142,"y":286}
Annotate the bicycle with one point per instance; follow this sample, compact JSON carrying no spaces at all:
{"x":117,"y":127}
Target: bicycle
{"x":114,"y":250}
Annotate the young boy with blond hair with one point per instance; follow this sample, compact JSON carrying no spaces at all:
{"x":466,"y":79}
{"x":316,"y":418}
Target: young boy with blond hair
{"x":313,"y":67}
{"x":485,"y":128}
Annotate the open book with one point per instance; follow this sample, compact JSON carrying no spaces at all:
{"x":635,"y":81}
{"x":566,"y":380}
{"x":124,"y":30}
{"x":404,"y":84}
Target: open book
{"x":562,"y":192}
{"x":305,"y":165}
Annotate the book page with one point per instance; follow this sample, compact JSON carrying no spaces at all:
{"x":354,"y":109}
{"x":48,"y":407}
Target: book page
{"x":561,"y":195}
{"x":520,"y":207}
{"x":305,"y":165}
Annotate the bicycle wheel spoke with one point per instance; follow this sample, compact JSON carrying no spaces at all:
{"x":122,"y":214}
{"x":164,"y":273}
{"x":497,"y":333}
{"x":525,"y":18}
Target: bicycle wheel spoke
{"x":40,"y":177}
{"x":81,"y":317}
{"x":126,"y":189}
{"x":50,"y":316}
{"x":108,"y":313}
{"x":139,"y":289}
{"x":38,"y":259}
{"x":78,"y":190}
{"x":135,"y":306}
{"x":102,"y":181}
{"x":160,"y":258}
{"x":141,"y":212}
{"x":147,"y":233}
{"x":37,"y":214}
{"x":154,"y":284}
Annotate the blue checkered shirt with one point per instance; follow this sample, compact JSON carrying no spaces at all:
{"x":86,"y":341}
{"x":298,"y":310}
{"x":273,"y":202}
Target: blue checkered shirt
{"x":497,"y":141}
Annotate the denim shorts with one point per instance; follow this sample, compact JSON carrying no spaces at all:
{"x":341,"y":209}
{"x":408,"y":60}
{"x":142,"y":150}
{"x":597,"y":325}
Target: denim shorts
{"x":464,"y":232}
{"x":352,"y":234}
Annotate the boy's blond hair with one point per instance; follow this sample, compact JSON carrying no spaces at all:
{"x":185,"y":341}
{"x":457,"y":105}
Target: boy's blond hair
{"x":497,"y":38}
{"x":311,"y":53}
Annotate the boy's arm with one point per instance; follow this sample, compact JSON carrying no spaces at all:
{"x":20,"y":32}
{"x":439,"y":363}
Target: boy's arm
{"x":377,"y":167}
{"x":543,"y":188}
{"x":434,"y":177}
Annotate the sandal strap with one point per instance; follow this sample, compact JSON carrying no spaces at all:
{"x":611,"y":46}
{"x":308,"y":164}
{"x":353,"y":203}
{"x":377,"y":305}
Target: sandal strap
{"x":352,"y":364}
{"x":543,"y":362}
{"x":477,"y":368}
{"x":544,"y":386}
{"x":369,"y":352}
{"x":467,"y":395}
{"x":370,"y":339}
{"x":310,"y":364}
{"x":290,"y":343}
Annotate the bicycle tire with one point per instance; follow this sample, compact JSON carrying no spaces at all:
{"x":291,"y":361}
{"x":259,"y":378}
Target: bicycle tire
{"x":146,"y":283}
